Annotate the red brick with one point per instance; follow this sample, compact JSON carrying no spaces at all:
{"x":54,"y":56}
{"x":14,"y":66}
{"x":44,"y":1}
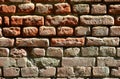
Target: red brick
{"x":23,"y":62}
{"x":115,"y":31}
{"x":6,"y":20}
{"x":0,"y":20}
{"x":26,"y":8}
{"x":49,"y":1}
{"x":6,"y":42}
{"x":115,"y":72}
{"x":64,"y":31}
{"x":30,"y":31}
{"x":16,"y":20}
{"x":7,"y":9}
{"x":47,"y":31}
{"x":2,"y":0}
{"x":62,"y":8}
{"x":114,"y":9}
{"x":68,"y":20}
{"x":67,"y":41}
{"x":4,"y":52}
{"x":11,"y":31}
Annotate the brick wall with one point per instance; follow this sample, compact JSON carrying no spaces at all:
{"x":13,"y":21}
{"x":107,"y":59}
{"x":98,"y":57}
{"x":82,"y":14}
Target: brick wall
{"x":59,"y":39}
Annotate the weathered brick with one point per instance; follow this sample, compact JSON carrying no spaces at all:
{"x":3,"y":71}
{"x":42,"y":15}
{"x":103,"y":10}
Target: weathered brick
{"x":6,"y":42}
{"x":11,"y":72}
{"x":37,"y":52}
{"x":71,"y":52}
{"x":22,"y":62}
{"x":34,"y":78}
{"x":19,"y":1}
{"x":26,"y":8}
{"x":107,"y":51}
{"x":89,"y":51}
{"x":7,"y":8}
{"x":47,"y":31}
{"x":115,"y":72}
{"x":64,"y":31}
{"x":101,"y":71}
{"x":65,"y":72}
{"x":34,"y":42}
{"x":96,"y":20}
{"x":100,"y":31}
{"x":48,"y":72}
{"x":118,"y":51}
{"x":11,"y":31}
{"x":78,"y":61}
{"x":54,"y":52}
{"x":44,"y":8}
{"x":114,"y":31}
{"x":78,"y":1}
{"x":2,"y":0}
{"x":111,"y":0}
{"x":16,"y":20}
{"x":114,"y":9}
{"x":67,"y":41}
{"x":49,"y":1}
{"x":98,"y":9}
{"x":0,"y":20}
{"x":1,"y":34}
{"x":62,"y":8}
{"x":30,"y":31}
{"x":81,"y":8}
{"x":4,"y":52}
{"x":67,"y":20}
{"x":18,"y":53}
{"x":6,"y":20}
{"x":29,"y":72}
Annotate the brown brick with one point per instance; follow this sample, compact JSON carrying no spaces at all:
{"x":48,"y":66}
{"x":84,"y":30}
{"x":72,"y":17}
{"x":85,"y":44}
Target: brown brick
{"x":115,"y":31}
{"x":62,"y":8}
{"x":44,"y":8}
{"x":67,"y":20}
{"x":33,"y":20}
{"x":81,"y":31}
{"x":65,"y":72}
{"x":34,"y":78}
{"x":48,"y":72}
{"x":6,"y":20}
{"x":114,"y":9}
{"x":115,"y":72}
{"x":49,"y":1}
{"x":47,"y":31}
{"x":96,"y":20}
{"x":7,"y":8}
{"x":4,"y":52}
{"x":22,"y":62}
{"x":64,"y":31}
{"x":19,"y":1}
{"x":81,"y":8}
{"x":98,"y":9}
{"x":2,"y":0}
{"x":100,"y":31}
{"x":83,"y":71}
{"x":55,"y":52}
{"x":37,"y":52}
{"x":11,"y":31}
{"x":6,"y":42}
{"x":78,"y":61}
{"x":11,"y":72}
{"x":101,"y":71}
{"x":26,"y":8}
{"x":118,"y":51}
{"x":111,"y":0}
{"x":18,"y":53}
{"x":79,"y":1}
{"x":0,"y":20}
{"x":29,"y":72}
{"x":67,"y":42}
{"x":1,"y":33}
{"x":30,"y":31}
{"x":34,"y":42}
{"x":16,"y":20}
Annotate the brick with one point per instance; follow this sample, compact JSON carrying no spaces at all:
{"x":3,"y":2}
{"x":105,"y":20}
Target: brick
{"x":30,"y":31}
{"x":11,"y":72}
{"x":78,"y":61}
{"x":114,"y":9}
{"x":98,"y":9}
{"x":22,"y":62}
{"x":0,"y":73}
{"x":64,"y":31}
{"x":115,"y":72}
{"x":6,"y":20}
{"x":67,"y":20}
{"x":0,"y":20}
{"x":1,"y":34}
{"x":89,"y":51}
{"x":7,"y":8}
{"x":83,"y":71}
{"x":44,"y":8}
{"x":111,"y":0}
{"x":71,"y":52}
{"x":101,"y":71}
{"x":65,"y":72}
{"x":67,"y":41}
{"x":16,"y":20}
{"x":33,"y":20}
{"x":96,"y":20}
{"x":18,"y":53}
{"x":100,"y":31}
{"x":107,"y":51}
{"x":48,"y":72}
{"x":2,"y":0}
{"x":11,"y":31}
{"x":46,"y":62}
{"x":47,"y":31}
{"x":19,"y":1}
{"x":4,"y":52}
{"x":62,"y":8}
{"x":78,"y":1}
{"x":81,"y":8}
{"x":49,"y":1}
{"x":26,"y":8}
{"x":106,"y":41}
{"x":6,"y":42}
{"x":118,"y":51}
{"x":34,"y":78}
{"x":114,"y":31}
{"x":32,"y":42}
{"x":37,"y":52}
{"x":29,"y":72}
